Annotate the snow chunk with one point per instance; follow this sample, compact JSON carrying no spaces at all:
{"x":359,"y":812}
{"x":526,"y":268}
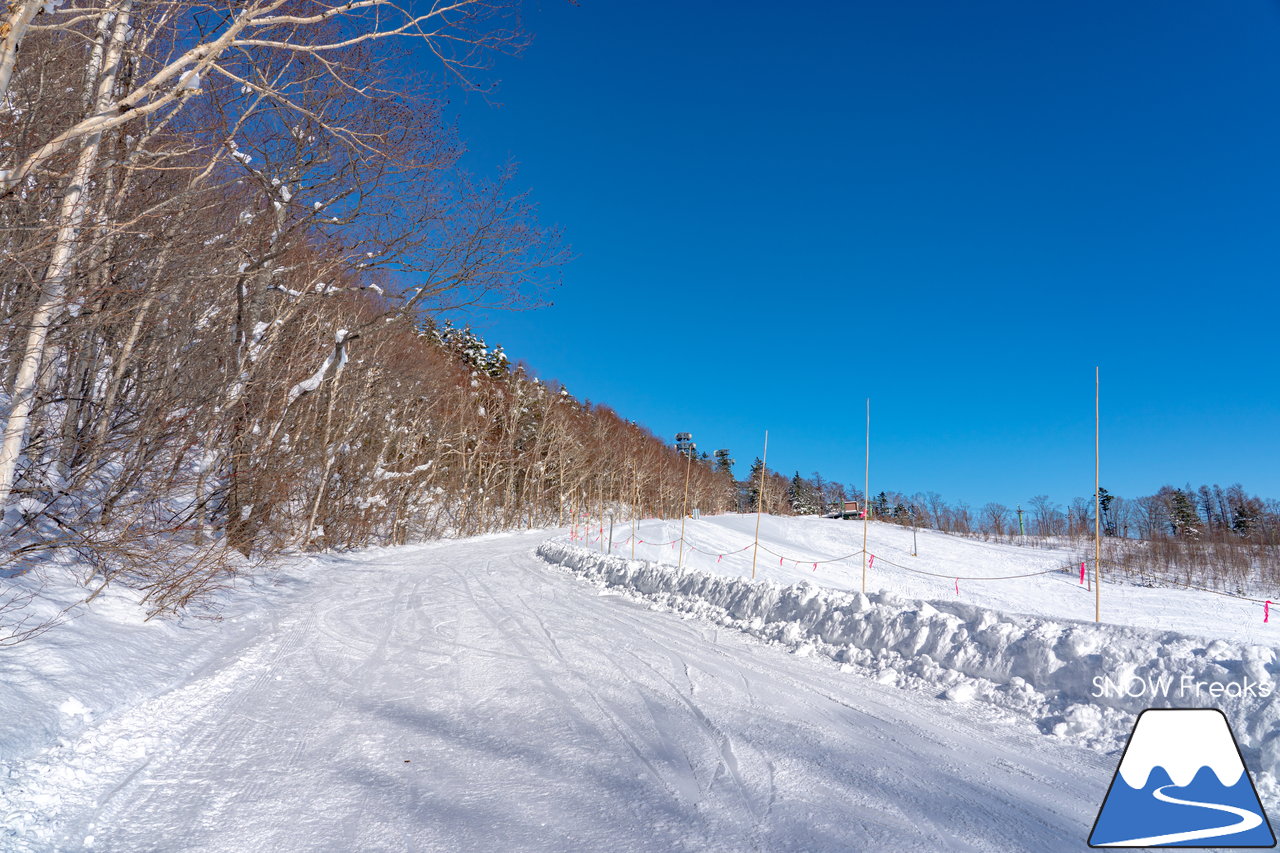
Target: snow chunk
{"x":73,"y":707}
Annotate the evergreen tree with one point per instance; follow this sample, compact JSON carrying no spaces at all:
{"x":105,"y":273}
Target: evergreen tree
{"x":751,"y":487}
{"x":724,"y":464}
{"x":1183,"y":517}
{"x":1108,"y":517}
{"x":1246,"y":510}
{"x":468,"y":346}
{"x":801,"y":496}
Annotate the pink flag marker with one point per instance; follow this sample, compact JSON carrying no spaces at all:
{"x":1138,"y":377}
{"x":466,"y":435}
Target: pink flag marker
{"x":1266,"y":611}
{"x":719,"y":557}
{"x":1082,"y":573}
{"x":779,"y":561}
{"x":957,"y":586}
{"x":815,"y":567}
{"x":872,"y":561}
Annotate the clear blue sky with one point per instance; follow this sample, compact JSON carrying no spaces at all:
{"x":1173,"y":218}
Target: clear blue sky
{"x":955,"y":209}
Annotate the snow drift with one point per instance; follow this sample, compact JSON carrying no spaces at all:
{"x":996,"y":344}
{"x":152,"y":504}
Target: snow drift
{"x":1080,"y":681}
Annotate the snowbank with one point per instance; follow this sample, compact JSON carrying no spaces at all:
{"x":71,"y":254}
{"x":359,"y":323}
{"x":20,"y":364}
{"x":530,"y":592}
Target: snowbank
{"x":1077,"y":680}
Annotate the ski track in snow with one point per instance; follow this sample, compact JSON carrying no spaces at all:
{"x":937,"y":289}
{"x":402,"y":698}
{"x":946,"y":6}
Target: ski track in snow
{"x":466,"y":696}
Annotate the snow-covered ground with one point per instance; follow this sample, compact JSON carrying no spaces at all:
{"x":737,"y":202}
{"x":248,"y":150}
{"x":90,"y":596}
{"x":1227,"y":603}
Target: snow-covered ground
{"x":471,"y":696}
{"x":1025,"y":647}
{"x":1058,"y":595}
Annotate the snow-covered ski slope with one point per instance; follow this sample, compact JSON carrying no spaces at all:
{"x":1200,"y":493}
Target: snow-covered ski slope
{"x":469,"y":696}
{"x":1058,"y":595}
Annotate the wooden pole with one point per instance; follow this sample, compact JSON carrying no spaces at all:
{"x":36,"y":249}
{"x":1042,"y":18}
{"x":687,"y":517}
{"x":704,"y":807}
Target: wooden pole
{"x":635,"y":505}
{"x":684,"y":512}
{"x":760,"y":503}
{"x":866,"y":499}
{"x":1097,"y":502}
{"x":600,"y":541}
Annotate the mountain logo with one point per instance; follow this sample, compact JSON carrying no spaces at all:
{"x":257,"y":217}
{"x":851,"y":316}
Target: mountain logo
{"x":1181,"y":783}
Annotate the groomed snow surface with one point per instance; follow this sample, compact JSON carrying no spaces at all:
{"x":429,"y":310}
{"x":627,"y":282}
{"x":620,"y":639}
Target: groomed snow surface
{"x":475,"y":696}
{"x":1026,"y":646}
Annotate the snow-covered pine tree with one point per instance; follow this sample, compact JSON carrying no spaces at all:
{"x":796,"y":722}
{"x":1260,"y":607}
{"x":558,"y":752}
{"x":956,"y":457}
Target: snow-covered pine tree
{"x":1183,"y":517}
{"x":469,"y":347}
{"x":751,"y":487}
{"x":801,"y":496}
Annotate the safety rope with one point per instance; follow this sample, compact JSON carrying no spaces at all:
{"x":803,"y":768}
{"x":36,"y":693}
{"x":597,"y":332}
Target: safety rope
{"x":783,"y":558}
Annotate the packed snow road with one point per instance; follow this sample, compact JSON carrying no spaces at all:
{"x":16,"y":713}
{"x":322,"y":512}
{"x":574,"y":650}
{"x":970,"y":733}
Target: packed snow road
{"x":467,"y":696}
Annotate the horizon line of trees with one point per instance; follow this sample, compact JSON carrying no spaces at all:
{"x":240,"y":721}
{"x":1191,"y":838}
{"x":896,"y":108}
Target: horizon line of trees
{"x":1190,"y":513}
{"x":1197,"y":535}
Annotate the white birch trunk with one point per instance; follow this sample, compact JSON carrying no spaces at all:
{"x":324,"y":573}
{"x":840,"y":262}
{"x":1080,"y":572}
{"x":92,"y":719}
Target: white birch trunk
{"x":17,"y":18}
{"x":53,"y":303}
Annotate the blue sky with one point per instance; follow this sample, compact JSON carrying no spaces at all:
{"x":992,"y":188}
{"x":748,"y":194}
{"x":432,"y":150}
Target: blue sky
{"x":956,"y":210}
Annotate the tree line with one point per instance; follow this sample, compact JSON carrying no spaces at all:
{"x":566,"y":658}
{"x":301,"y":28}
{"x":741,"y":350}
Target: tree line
{"x":1200,"y":535}
{"x":225,"y":229}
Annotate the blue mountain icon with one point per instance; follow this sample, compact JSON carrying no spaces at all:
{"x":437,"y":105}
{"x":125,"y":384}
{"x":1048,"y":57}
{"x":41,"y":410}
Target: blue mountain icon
{"x":1182,"y":783}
